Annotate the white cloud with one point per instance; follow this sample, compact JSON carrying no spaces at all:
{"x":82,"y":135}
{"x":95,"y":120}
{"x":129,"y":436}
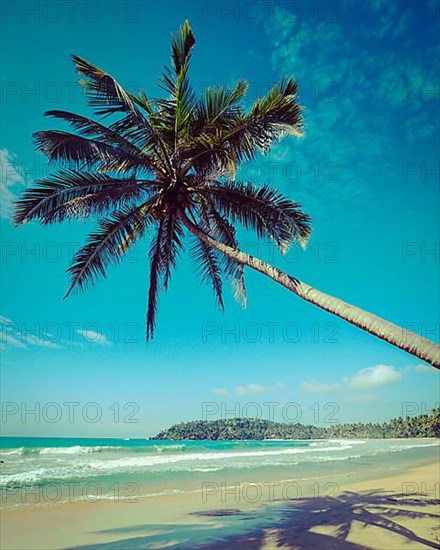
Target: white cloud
{"x":250,"y":389}
{"x":37,"y":341}
{"x":94,"y":337}
{"x":16,"y":335}
{"x":371,"y":377}
{"x":11,"y":334}
{"x":7,"y":338}
{"x":10,"y":182}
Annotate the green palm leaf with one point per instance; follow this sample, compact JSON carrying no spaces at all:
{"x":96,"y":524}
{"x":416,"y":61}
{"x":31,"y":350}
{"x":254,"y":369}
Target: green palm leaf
{"x":181,"y":47}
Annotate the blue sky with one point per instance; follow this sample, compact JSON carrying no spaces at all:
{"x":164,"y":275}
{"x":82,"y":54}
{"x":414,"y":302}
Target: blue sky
{"x":366,"y":171}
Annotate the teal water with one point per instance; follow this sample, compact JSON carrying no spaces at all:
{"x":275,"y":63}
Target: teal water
{"x":50,"y":470}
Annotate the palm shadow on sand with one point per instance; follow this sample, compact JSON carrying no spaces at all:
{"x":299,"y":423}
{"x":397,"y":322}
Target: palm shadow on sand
{"x":285,"y":525}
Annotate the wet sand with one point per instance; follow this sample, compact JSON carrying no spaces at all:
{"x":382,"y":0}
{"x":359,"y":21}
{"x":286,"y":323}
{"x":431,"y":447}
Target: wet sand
{"x":399,"y":511}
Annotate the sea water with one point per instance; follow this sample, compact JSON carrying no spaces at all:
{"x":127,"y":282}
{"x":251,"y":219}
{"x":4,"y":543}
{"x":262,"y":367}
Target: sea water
{"x":39,"y":471}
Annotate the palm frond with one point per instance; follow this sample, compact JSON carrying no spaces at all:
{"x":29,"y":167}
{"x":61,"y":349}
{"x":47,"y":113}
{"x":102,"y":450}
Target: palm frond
{"x":156,"y":265}
{"x":78,"y":151}
{"x":77,"y":194}
{"x":269,"y":119}
{"x":171,"y":245}
{"x":208,"y":264}
{"x":90,"y":128}
{"x":177,"y":112}
{"x":214,"y":113}
{"x":104,"y":92}
{"x":142,"y":101}
{"x":182,"y":44}
{"x":209,"y":158}
{"x":219,"y":106}
{"x":108,"y":244}
{"x":97,"y":204}
{"x":147,"y":138}
{"x":109,"y":97}
{"x":263,"y":209}
{"x":223,"y":231}
{"x":164,"y":252}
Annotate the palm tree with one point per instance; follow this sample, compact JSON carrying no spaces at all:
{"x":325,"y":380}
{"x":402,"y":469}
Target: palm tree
{"x":168,"y":165}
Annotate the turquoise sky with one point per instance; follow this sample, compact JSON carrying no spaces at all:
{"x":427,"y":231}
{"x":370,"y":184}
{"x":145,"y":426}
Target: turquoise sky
{"x":367,"y":171}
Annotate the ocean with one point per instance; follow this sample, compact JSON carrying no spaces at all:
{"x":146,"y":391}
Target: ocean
{"x":47,"y":471}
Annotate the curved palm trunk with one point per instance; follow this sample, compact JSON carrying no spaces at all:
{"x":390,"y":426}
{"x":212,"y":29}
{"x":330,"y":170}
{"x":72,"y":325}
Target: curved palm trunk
{"x":397,"y":336}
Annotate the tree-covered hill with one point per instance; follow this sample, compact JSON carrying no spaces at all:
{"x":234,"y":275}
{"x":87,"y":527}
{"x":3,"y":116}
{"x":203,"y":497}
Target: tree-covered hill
{"x":426,"y":425}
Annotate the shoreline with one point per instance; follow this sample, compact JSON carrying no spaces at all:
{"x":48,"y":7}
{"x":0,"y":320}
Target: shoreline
{"x":187,"y":480}
{"x":186,"y":518}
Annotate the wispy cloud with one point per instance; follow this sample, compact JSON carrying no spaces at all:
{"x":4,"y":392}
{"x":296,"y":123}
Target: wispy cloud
{"x":250,"y":389}
{"x":21,"y":336}
{"x":421,"y":369}
{"x":12,"y":335}
{"x":94,"y":337}
{"x":371,"y":377}
{"x":342,"y":77}
{"x":5,"y":320}
{"x":7,"y":339}
{"x":11,"y":181}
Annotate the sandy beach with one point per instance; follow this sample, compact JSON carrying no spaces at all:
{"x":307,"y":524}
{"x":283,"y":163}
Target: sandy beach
{"x":400,"y":511}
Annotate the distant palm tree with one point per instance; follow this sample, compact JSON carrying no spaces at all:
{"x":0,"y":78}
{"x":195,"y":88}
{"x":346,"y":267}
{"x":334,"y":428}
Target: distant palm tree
{"x":170,"y":164}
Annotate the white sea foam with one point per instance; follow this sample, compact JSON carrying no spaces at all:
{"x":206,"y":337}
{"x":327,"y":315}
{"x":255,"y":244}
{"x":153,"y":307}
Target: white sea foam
{"x":17,"y":451}
{"x":404,"y":446}
{"x":43,"y":465}
{"x":78,"y":449}
{"x":88,"y":449}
